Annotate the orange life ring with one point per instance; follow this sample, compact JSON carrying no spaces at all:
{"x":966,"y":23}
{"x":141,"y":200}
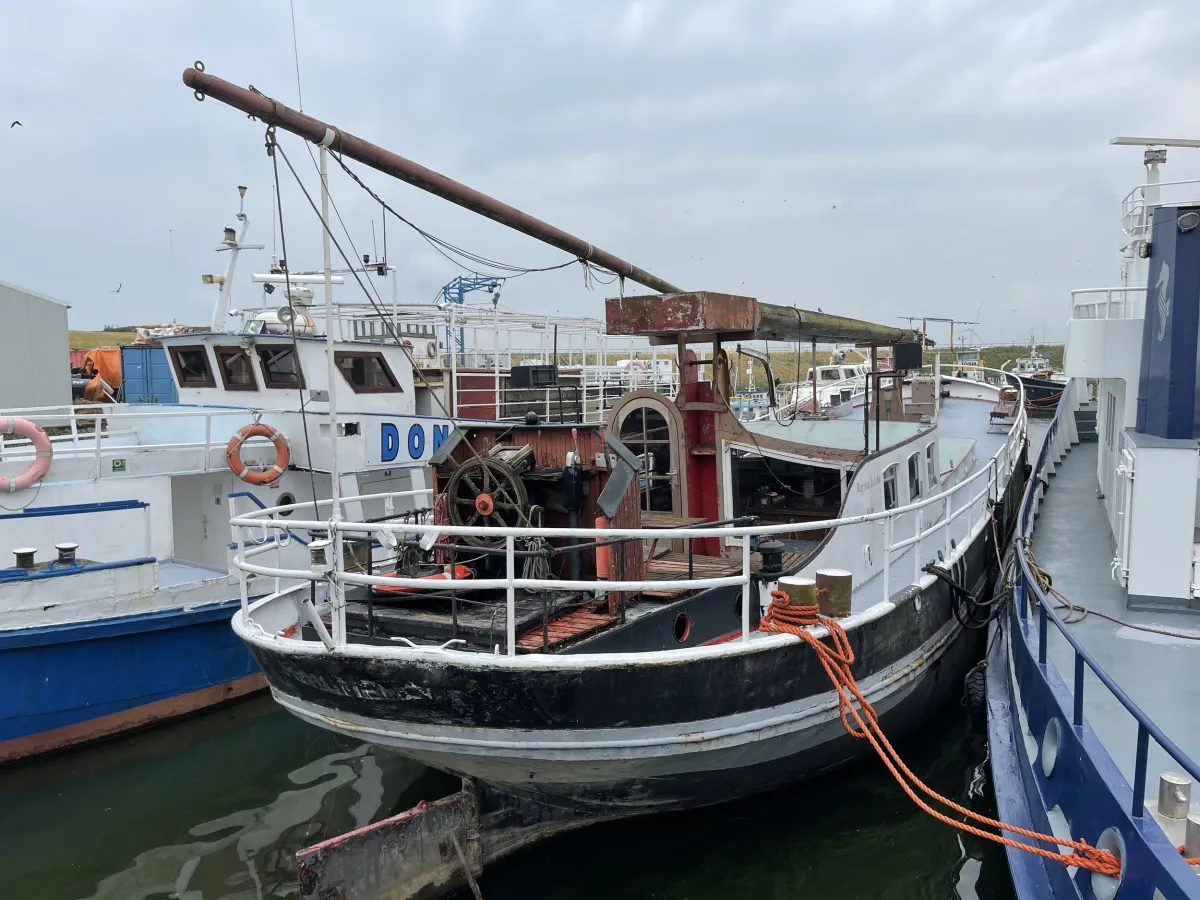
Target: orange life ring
{"x":233,"y":453}
{"x":43,"y":450}
{"x":459,"y":572}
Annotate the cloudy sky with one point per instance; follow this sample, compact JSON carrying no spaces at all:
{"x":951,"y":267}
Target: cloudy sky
{"x":874,"y":158}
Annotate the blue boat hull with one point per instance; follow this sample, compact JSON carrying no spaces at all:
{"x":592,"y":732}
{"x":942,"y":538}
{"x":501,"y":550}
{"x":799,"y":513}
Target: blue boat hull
{"x":68,"y":684}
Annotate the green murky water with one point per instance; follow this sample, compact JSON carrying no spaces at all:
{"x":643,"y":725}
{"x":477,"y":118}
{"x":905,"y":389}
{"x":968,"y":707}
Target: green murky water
{"x":215,"y":807}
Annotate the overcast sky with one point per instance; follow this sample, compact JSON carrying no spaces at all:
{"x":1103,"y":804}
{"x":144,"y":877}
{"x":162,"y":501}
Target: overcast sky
{"x":872,"y":158}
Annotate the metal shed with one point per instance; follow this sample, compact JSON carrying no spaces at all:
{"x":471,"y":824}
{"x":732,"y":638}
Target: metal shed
{"x":34,"y":352}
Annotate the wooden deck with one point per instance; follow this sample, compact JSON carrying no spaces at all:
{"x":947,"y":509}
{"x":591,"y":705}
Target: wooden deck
{"x":673,"y":566}
{"x":565,"y":629}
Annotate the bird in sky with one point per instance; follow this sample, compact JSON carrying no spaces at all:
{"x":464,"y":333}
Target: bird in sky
{"x":15,"y":123}
{"x":118,"y":290}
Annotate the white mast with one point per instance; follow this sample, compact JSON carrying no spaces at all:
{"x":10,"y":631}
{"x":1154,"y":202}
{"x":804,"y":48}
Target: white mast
{"x":335,"y":516}
{"x":234,"y":246}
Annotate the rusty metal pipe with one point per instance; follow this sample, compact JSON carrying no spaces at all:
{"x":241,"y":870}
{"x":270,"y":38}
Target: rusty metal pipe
{"x":272,"y":112}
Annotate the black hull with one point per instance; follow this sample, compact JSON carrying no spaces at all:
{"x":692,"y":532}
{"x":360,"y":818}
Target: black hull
{"x":919,"y":645}
{"x":1040,"y":393}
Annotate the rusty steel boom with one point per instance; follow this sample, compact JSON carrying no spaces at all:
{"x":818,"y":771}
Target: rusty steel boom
{"x":272,"y":112}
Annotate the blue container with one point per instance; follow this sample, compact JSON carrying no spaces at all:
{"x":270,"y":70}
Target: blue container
{"x":146,"y":375}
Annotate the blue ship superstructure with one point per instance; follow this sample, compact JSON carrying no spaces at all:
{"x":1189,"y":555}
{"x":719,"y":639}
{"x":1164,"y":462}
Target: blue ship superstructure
{"x":1093,"y":694}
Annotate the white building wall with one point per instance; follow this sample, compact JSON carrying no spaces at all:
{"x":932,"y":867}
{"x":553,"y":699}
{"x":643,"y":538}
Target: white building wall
{"x":34,"y":349}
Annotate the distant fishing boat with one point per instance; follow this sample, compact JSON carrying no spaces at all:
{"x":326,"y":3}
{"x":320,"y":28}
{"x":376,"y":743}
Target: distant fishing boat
{"x":1043,"y":385}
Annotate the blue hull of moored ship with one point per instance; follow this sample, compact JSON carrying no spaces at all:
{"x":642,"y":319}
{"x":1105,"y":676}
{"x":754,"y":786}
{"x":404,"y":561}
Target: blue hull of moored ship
{"x":67,"y":684}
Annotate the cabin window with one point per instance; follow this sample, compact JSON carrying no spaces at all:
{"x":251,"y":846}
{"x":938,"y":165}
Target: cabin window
{"x":830,"y":375}
{"x":647,"y":434}
{"x":914,"y":476}
{"x":237,"y":371}
{"x":280,"y":367}
{"x":889,"y":487}
{"x":192,"y":367}
{"x":931,"y":467}
{"x":366,"y":373}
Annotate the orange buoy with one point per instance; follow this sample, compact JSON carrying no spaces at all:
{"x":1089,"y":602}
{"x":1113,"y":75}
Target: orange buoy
{"x":233,"y":453}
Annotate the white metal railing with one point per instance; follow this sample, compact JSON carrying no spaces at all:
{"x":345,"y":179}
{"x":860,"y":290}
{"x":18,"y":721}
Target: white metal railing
{"x":829,"y":394}
{"x":967,"y":500}
{"x":1135,"y":219}
{"x":1108,"y":303}
{"x":90,"y":436}
{"x":583,"y":394}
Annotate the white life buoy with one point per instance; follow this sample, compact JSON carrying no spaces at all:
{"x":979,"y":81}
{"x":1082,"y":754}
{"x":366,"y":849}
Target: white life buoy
{"x":41,"y":443}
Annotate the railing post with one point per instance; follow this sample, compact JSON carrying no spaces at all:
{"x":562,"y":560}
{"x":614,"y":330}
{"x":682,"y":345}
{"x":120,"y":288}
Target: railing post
{"x":510,"y":624}
{"x":1077,"y":711}
{"x":946,"y":527}
{"x":916,"y":547}
{"x":746,"y":587}
{"x":1139,"y":772}
{"x":887,"y":557}
{"x":1019,"y":588}
{"x":1041,"y":633}
{"x":97,"y":427}
{"x":207,"y":438}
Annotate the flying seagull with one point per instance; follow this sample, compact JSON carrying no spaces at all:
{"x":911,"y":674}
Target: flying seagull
{"x":118,"y":290}
{"x":15,"y":123}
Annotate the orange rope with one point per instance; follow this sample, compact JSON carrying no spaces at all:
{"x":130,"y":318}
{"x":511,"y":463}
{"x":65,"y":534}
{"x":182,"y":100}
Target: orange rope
{"x":781,"y":616}
{"x":1193,"y":861}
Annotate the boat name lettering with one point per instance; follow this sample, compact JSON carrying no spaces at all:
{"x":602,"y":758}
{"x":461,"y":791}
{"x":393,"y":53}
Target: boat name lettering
{"x":874,"y":481}
{"x":415,"y":441}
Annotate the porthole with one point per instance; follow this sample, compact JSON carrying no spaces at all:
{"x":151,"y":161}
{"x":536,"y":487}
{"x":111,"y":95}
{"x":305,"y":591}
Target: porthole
{"x":286,"y":500}
{"x":683,"y":626}
{"x":1051,"y":741}
{"x":1105,"y":886}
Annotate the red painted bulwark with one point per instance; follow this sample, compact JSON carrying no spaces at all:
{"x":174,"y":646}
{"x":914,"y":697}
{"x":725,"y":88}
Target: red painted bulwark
{"x":138,"y":717}
{"x":699,"y":313}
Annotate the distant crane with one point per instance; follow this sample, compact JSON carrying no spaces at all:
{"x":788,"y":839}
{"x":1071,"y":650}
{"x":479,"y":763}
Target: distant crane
{"x":456,"y":292}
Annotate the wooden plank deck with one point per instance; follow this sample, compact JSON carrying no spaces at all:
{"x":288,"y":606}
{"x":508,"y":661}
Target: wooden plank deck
{"x":673,"y":566}
{"x":566,"y":628}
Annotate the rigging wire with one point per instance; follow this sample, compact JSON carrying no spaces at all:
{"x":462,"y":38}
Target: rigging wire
{"x":446,"y":248}
{"x":296,"y":54}
{"x":287,"y":279}
{"x":388,"y":327}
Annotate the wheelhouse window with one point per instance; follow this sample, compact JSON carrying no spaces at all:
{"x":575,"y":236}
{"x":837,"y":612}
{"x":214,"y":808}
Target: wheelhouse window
{"x":890,"y":500}
{"x":914,"y":476}
{"x":931,"y":467}
{"x":366,"y":373}
{"x":646,"y":432}
{"x":280,"y":367}
{"x":236,"y":368}
{"x":192,"y":367}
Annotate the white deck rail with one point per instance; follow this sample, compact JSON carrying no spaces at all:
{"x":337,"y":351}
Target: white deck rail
{"x":95,"y":432}
{"x":1108,"y":303}
{"x":969,"y":499}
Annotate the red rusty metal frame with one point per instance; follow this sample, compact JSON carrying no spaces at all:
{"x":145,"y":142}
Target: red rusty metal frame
{"x":697,"y":316}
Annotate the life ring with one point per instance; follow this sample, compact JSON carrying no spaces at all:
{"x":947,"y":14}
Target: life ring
{"x":233,"y":453}
{"x":41,"y":443}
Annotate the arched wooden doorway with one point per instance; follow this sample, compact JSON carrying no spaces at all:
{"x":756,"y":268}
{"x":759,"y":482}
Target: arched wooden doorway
{"x":651,"y":427}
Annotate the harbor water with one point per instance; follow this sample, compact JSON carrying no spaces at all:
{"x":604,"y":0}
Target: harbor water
{"x":215,"y":807}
